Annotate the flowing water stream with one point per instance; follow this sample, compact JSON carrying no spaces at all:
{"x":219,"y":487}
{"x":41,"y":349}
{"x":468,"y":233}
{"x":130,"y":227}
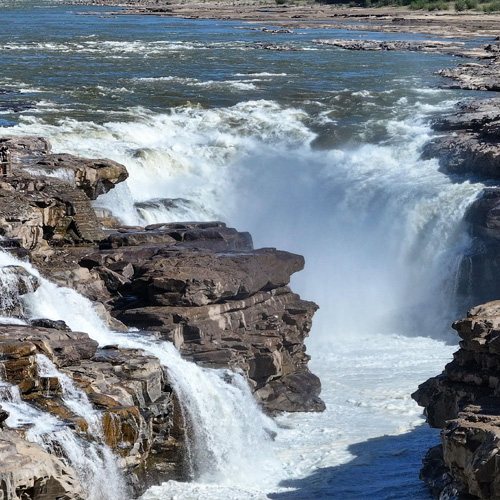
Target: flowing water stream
{"x":314,"y":150}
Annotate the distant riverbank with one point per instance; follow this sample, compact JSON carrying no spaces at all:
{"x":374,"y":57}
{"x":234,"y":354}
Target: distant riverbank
{"x":446,"y":24}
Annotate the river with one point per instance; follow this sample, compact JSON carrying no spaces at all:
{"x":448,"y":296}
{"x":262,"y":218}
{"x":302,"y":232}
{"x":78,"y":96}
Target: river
{"x":312,"y":149}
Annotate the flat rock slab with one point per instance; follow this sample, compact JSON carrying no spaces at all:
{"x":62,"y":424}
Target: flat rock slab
{"x":394,"y":45}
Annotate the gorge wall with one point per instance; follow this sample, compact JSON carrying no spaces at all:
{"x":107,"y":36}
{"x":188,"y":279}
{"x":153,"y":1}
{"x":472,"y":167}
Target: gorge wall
{"x":201,"y":286}
{"x":464,"y":401}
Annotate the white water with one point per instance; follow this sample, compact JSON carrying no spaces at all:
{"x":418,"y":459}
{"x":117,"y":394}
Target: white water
{"x":75,"y":399}
{"x":229,"y":437}
{"x":10,"y":284}
{"x":381,"y":230}
{"x":94,"y":464}
{"x":383,"y":237}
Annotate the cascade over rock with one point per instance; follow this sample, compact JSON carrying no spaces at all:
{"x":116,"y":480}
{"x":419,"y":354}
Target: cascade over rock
{"x":200,"y":285}
{"x":28,"y":471}
{"x":128,"y":387}
{"x":464,"y":401}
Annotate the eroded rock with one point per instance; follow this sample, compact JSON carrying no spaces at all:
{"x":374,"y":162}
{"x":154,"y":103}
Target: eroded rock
{"x":93,"y":177}
{"x":27,"y":471}
{"x":465,"y":402}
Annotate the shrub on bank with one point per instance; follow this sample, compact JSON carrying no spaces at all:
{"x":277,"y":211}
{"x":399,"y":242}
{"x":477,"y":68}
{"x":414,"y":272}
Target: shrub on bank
{"x":431,"y":5}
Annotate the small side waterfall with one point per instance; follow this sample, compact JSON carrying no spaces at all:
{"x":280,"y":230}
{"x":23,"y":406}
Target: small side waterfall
{"x":229,"y":439}
{"x":94,"y":463}
{"x":14,"y":281}
{"x":75,"y":399}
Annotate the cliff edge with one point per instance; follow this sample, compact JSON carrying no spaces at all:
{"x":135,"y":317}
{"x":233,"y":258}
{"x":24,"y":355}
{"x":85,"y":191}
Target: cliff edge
{"x":200,"y":285}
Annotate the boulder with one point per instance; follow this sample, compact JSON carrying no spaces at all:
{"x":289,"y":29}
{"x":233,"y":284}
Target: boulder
{"x":93,"y":176}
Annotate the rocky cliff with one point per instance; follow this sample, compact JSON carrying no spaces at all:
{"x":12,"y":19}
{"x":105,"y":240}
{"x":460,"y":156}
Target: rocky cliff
{"x":464,"y":401}
{"x":201,"y":286}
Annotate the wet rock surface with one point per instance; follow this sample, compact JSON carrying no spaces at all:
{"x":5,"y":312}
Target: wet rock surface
{"x":129,"y":389}
{"x":394,"y":45}
{"x":470,"y":141}
{"x":475,"y":76}
{"x":27,"y":471}
{"x":468,"y":150}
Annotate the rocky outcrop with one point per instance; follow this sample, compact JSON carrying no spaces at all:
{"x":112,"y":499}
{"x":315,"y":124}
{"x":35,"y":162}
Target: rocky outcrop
{"x":220,"y":302}
{"x":394,"y":45}
{"x":469,"y":149}
{"x":470,"y":145}
{"x":476,"y":76}
{"x":93,"y":177}
{"x":201,"y":286}
{"x":28,"y":471}
{"x":47,"y":200}
{"x":130,"y":390}
{"x":465,"y":402}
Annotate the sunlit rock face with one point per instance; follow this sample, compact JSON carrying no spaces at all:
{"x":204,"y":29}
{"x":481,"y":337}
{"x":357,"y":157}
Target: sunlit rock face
{"x":465,"y":402}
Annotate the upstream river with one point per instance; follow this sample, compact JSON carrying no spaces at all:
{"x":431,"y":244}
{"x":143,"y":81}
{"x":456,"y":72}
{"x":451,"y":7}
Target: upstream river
{"x":312,"y":149}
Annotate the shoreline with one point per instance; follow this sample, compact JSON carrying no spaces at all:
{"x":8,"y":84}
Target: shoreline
{"x":443,"y":24}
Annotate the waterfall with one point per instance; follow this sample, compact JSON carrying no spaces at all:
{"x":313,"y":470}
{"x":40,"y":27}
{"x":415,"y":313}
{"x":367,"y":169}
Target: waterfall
{"x":94,"y":463}
{"x":228,"y":436}
{"x":76,"y":400}
{"x":229,"y":439}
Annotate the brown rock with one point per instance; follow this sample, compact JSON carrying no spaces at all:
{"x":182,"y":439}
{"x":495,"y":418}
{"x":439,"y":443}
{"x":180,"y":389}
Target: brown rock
{"x":94,"y":177}
{"x":27,"y":471}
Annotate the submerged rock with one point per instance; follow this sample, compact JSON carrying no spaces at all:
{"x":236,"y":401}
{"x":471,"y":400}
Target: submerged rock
{"x":394,"y":45}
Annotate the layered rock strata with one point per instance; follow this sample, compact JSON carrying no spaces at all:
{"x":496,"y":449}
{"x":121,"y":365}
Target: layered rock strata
{"x":477,"y":76}
{"x":129,"y":389}
{"x":201,"y":286}
{"x":464,"y":401}
{"x":469,"y":144}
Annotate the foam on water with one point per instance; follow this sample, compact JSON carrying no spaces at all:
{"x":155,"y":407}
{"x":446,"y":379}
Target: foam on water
{"x":190,"y":153}
{"x":368,"y":444}
{"x":367,"y":212}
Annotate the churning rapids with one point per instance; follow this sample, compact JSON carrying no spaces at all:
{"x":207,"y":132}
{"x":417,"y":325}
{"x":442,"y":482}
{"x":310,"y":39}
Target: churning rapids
{"x":313,"y":150}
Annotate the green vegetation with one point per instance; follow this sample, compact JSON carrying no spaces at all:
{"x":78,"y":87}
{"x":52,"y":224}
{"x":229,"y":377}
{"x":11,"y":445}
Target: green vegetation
{"x":457,"y":5}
